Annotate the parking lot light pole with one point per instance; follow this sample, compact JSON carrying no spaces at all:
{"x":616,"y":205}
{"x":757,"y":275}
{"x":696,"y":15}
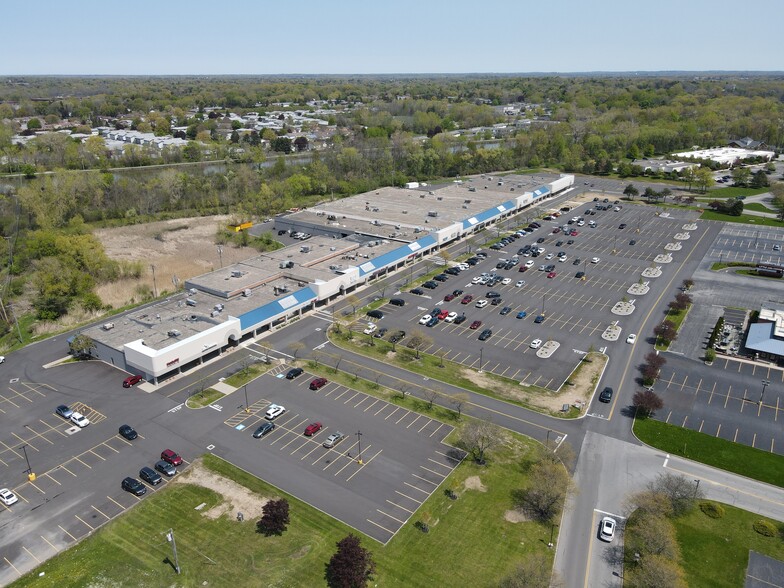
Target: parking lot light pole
{"x":696,"y":487}
{"x":359,"y":444}
{"x":481,"y":351}
{"x":30,"y":474}
{"x":552,"y":532}
{"x":765,"y":384}
{"x":544,"y":296}
{"x":247,"y":406}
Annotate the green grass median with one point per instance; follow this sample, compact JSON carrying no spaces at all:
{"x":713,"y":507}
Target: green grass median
{"x":739,"y":459}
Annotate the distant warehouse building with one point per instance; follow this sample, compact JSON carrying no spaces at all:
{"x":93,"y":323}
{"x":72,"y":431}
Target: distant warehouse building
{"x":355,"y":241}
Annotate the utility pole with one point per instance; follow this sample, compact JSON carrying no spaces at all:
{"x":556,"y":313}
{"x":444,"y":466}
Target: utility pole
{"x":765,"y":384}
{"x":154,"y":283}
{"x":247,"y":406}
{"x":220,"y":254}
{"x":359,"y":443}
{"x":170,"y":539}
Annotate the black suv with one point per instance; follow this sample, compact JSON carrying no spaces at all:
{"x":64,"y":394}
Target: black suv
{"x":492,"y":294}
{"x":150,"y":476}
{"x":397,"y":302}
{"x":134,"y":486}
{"x":430,"y":285}
{"x":606,"y":395}
{"x":485,"y":335}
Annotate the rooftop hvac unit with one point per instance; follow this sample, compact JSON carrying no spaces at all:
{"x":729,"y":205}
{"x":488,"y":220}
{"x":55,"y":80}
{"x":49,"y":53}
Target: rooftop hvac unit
{"x":404,"y":211}
{"x":174,"y":333}
{"x":236,"y":273}
{"x":192,"y":291}
{"x":190,"y":302}
{"x":433,"y":213}
{"x":218,"y":307}
{"x":246,"y":292}
{"x":108,"y":326}
{"x":214,"y":313}
{"x":305,"y":249}
{"x":440,"y":198}
{"x":421,"y":195}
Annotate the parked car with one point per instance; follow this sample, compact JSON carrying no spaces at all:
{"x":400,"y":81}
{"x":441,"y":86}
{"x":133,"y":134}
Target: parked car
{"x":376,"y":314}
{"x":134,"y":486}
{"x":579,"y":274}
{"x":457,"y":292}
{"x":64,"y":411}
{"x":551,"y":275}
{"x":485,"y":335}
{"x":131,"y":381}
{"x":622,"y":226}
{"x":442,"y":314}
{"x":380,"y":333}
{"x":519,"y":283}
{"x":79,"y":420}
{"x":7,"y":497}
{"x":536,"y":344}
{"x":631,"y":338}
{"x":318,"y":383}
{"x":450,"y":318}
{"x":312,"y":428}
{"x":370,"y":329}
{"x":333,"y":439}
{"x":397,"y":337}
{"x":522,"y":314}
{"x":481,"y":303}
{"x":432,"y":322}
{"x":607,"y":529}
{"x":171,"y":456}
{"x":165,"y":467}
{"x":595,"y":260}
{"x":425,"y":319}
{"x":475,"y":325}
{"x":293,"y":373}
{"x":397,"y":302}
{"x":430,"y":285}
{"x":150,"y":476}
{"x":449,"y":298}
{"x":539,"y":319}
{"x":506,"y":310}
{"x":263,"y":429}
{"x":606,"y":395}
{"x":128,"y":432}
{"x":418,"y":291}
{"x":496,"y":301}
{"x":441,"y":278}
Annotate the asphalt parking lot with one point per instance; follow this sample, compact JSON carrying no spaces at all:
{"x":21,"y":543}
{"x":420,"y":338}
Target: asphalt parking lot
{"x":749,"y":245}
{"x":77,"y":471}
{"x":403,"y":457}
{"x":725,"y":400}
{"x":576,"y":311}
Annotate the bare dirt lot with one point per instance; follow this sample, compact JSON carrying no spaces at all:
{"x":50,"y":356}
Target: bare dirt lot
{"x":179,"y":249}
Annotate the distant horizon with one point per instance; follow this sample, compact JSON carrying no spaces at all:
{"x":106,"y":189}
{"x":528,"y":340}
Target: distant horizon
{"x":566,"y":37}
{"x":411,"y":74}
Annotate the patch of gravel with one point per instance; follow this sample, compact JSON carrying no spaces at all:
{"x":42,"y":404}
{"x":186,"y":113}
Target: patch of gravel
{"x":515,"y":516}
{"x":474,"y":483}
{"x":236,"y":498}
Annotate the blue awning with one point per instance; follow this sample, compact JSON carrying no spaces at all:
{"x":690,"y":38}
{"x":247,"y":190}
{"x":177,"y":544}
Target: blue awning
{"x":277,"y":307}
{"x":396,"y":255}
{"x":489,"y":214}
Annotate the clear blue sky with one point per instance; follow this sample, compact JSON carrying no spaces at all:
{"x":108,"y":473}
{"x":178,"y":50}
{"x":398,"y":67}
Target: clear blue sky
{"x":401,"y":36}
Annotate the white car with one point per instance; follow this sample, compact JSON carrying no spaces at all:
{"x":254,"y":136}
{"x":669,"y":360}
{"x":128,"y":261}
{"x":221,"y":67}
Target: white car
{"x":7,"y":497}
{"x":536,"y":344}
{"x":80,"y":420}
{"x":549,"y":256}
{"x":425,"y":319}
{"x":607,"y":529}
{"x":580,"y":223}
{"x":481,"y":303}
{"x":529,"y":264}
{"x":2,"y":358}
{"x":463,"y":266}
{"x":450,"y":317}
{"x":274,"y":411}
{"x":476,"y":280}
{"x":563,"y":258}
{"x":595,"y":260}
{"x":520,"y":283}
{"x":506,"y":281}
{"x":371,"y":328}
{"x":631,"y":338}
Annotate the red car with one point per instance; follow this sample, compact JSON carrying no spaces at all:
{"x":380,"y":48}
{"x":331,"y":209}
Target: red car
{"x":443,"y":314}
{"x":449,"y":297}
{"x":131,"y":381}
{"x":318,"y":383}
{"x":171,"y":457}
{"x":312,"y":428}
{"x":551,"y":275}
{"x":475,"y":325}
{"x":467,"y":299}
{"x":523,"y":269}
{"x":556,"y":230}
{"x":574,"y":233}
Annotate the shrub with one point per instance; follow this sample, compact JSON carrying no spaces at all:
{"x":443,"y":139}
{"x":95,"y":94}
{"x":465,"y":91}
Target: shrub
{"x":710,"y":355}
{"x":712,"y":509}
{"x":765,"y":528}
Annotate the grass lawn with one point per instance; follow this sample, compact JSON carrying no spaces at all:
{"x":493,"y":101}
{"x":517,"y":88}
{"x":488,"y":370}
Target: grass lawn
{"x":758,"y":207}
{"x":203,"y":398}
{"x":245,"y":375}
{"x":743,"y":218}
{"x":469,"y":538}
{"x":726,"y":455}
{"x":733,"y":192}
{"x":715,"y":552}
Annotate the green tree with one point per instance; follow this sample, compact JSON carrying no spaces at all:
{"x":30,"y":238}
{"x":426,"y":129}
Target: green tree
{"x":81,"y":346}
{"x":741,"y":176}
{"x":777,"y":190}
{"x":34,"y":124}
{"x":703,"y":179}
{"x":631,"y":192}
{"x":281,"y":144}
